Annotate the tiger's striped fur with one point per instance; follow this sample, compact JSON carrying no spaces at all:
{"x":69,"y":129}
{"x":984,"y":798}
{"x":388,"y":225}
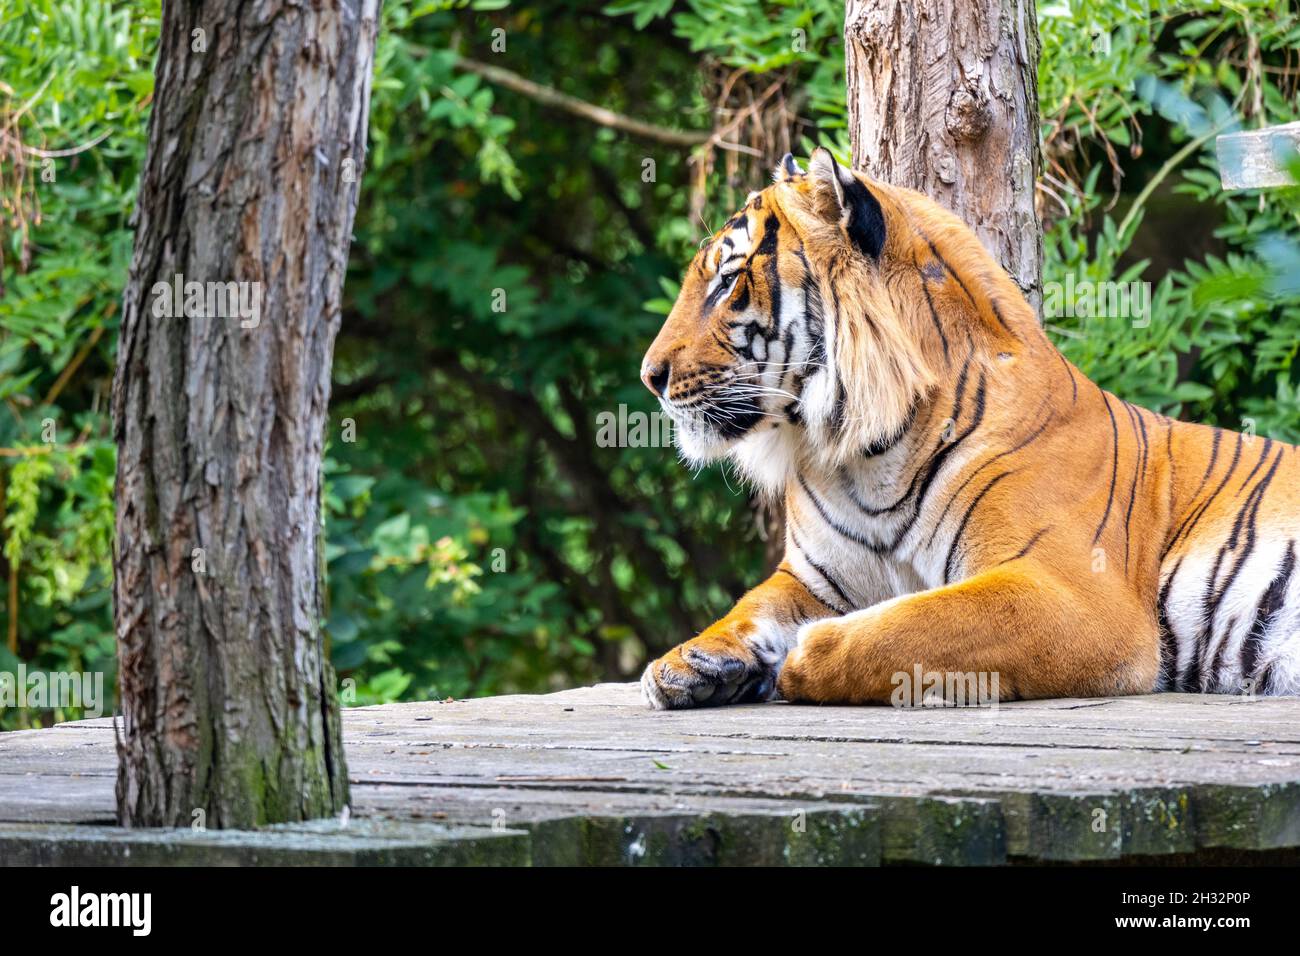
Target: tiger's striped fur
{"x":958,"y":495}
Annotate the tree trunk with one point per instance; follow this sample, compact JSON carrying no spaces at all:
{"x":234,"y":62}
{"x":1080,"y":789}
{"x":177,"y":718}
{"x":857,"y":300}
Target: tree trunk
{"x":255,"y":147}
{"x":943,"y":98}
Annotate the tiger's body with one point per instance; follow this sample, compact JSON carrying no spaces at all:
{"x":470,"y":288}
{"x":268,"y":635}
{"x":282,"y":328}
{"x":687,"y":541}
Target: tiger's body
{"x":959,"y":498}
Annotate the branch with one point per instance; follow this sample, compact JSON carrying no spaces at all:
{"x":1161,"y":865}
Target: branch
{"x":1170,"y":165}
{"x":588,"y":111}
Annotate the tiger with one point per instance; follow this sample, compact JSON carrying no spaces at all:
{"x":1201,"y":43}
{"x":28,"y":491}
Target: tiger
{"x":959,"y":497}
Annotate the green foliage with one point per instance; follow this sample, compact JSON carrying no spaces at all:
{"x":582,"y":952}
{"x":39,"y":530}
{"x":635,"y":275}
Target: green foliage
{"x":1141,"y":90}
{"x":74,"y":80}
{"x":512,"y":262}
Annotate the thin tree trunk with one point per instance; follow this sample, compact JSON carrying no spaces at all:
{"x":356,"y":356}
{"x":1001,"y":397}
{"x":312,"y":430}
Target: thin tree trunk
{"x":255,"y":148}
{"x":943,"y":98}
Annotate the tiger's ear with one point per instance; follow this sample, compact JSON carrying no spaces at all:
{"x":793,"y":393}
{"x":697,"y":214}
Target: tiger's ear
{"x":842,"y":197}
{"x":786,"y":170}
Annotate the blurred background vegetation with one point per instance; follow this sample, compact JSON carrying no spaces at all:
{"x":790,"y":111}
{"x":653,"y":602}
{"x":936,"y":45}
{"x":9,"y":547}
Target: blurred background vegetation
{"x":480,"y":539}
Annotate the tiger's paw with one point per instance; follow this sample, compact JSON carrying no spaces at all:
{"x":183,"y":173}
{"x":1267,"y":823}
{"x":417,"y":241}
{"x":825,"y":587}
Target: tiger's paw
{"x":804,"y":678}
{"x":709,"y":672}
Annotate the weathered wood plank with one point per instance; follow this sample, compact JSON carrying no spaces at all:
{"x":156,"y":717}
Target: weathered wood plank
{"x":591,"y":775}
{"x":315,"y":843}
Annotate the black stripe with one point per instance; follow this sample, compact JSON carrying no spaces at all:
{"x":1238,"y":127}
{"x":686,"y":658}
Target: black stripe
{"x":826,"y":576}
{"x":1214,"y":594}
{"x":697,"y":264}
{"x":1216,"y":661}
{"x":741,"y":302}
{"x":944,"y":262}
{"x":768,"y":246}
{"x":934,"y":314}
{"x":1069,"y":373}
{"x":723,"y":344}
{"x":917,"y":494}
{"x":911,"y":487}
{"x":937,"y":461}
{"x":1265,"y":684}
{"x":834,"y":525}
{"x":1168,"y":639}
{"x":1255,"y":497}
{"x":1269,"y":604}
{"x":1268,"y":445}
{"x":840,"y":406}
{"x":1191,"y":678}
{"x":1051,"y":412}
{"x":885,"y":443}
{"x":952,"y":548}
{"x":1191,"y":521}
{"x":1029,"y":546}
{"x":811,"y":593}
{"x":1146,"y":439}
{"x":993,"y":306}
{"x":1114,"y":471}
{"x":837,"y":410}
{"x":997,"y":314}
{"x":815,"y":323}
{"x":1214,"y":457}
{"x":1132,"y":492}
{"x":960,"y":393}
{"x":925,"y":475}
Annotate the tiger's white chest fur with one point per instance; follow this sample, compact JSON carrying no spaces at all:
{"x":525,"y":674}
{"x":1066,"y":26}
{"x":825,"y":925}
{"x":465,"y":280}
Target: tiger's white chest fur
{"x":875,"y":529}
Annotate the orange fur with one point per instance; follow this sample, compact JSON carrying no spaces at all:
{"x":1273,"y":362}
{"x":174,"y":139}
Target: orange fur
{"x":967,"y":501}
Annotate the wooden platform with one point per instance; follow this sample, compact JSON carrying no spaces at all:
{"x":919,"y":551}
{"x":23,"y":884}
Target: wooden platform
{"x":592,"y":776}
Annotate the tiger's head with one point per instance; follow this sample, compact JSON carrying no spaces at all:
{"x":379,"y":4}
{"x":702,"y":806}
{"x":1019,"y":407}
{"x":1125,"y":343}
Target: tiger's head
{"x":786,"y":342}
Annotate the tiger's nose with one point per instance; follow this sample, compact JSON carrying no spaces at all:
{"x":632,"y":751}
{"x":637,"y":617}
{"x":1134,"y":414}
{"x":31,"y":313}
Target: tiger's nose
{"x":656,"y":377}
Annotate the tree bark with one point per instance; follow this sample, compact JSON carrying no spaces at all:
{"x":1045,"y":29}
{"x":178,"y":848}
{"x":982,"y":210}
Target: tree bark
{"x":943,"y":98}
{"x":258,"y":130}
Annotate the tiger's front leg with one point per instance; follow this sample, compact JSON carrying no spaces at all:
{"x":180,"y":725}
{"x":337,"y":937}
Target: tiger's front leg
{"x":1037,"y":633}
{"x":737,"y":659}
